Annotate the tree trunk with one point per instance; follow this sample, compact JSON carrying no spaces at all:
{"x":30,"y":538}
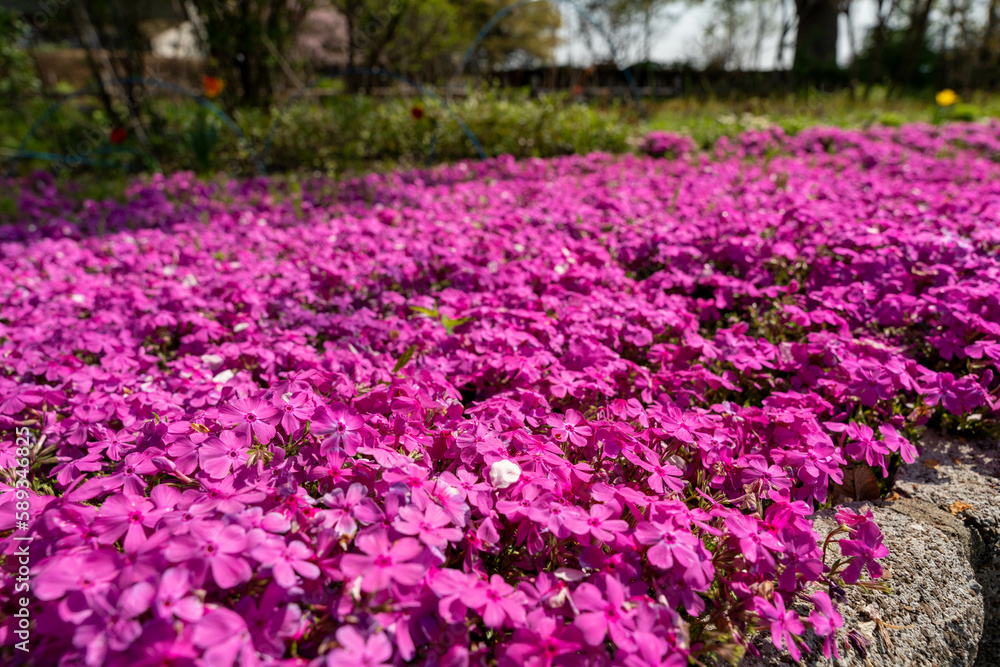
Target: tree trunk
{"x":985,"y":62}
{"x":816,"y":41}
{"x":878,"y":46}
{"x":914,"y":43}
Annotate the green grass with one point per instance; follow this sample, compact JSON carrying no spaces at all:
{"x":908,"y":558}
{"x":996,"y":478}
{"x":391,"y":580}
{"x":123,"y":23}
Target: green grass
{"x":341,"y":136}
{"x":707,"y":120}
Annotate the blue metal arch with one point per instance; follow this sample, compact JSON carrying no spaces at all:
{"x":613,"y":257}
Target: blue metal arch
{"x":22,"y":152}
{"x":423,"y":89}
{"x":581,"y":11}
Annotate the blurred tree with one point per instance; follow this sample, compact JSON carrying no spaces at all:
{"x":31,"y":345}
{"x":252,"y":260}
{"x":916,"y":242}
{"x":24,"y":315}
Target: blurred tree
{"x":427,"y":39}
{"x":527,"y":36}
{"x":889,"y":51}
{"x":17,"y":72}
{"x":248,"y":40}
{"x":915,"y":40}
{"x":816,"y":40}
{"x":109,"y":29}
{"x":884,"y":12}
{"x":735,"y":39}
{"x":399,"y":35}
{"x":987,"y":58}
{"x":628,"y":24}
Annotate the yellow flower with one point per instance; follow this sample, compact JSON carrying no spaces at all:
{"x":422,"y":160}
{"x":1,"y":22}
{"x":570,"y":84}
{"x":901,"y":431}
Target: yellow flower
{"x":212,"y":86}
{"x":946,"y":97}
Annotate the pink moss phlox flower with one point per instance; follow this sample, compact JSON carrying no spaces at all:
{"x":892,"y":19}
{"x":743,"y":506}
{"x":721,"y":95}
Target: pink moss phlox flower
{"x":340,"y":429}
{"x":295,"y":408}
{"x":430,"y":525}
{"x":174,"y":597}
{"x":251,"y":417}
{"x":825,"y":621}
{"x":754,"y":544}
{"x":863,"y":550}
{"x":497,"y":602}
{"x":667,"y":544}
{"x":897,"y":443}
{"x":540,"y":643}
{"x":601,"y":522}
{"x":225,"y":638}
{"x":784,"y":623}
{"x":286,"y":560}
{"x":219,"y":456}
{"x":845,"y":516}
{"x":570,"y":427}
{"x":603,"y":614}
{"x":358,"y":651}
{"x":215,"y":546}
{"x":126,"y":515}
{"x":383,"y":563}
{"x":863,"y":446}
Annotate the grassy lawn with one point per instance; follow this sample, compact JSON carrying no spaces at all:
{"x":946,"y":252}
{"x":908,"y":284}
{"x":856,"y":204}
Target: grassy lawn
{"x":705,"y":120}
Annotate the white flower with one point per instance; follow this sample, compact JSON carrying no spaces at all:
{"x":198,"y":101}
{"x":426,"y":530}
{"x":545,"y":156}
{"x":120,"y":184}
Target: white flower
{"x":224,"y":377}
{"x":504,"y":473}
{"x":212,"y":360}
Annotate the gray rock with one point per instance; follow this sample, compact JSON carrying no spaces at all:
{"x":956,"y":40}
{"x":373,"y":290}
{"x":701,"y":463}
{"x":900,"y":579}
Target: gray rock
{"x":943,"y":568}
{"x":951,"y":474}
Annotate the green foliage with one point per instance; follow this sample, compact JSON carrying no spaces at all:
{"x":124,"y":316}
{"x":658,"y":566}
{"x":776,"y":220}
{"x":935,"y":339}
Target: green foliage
{"x":350,"y":134}
{"x":448,"y":323}
{"x":17,"y":71}
{"x":405,"y":359}
{"x":896,"y":53}
{"x":425,"y":39}
{"x":246,"y":40}
{"x":966,"y":112}
{"x":338,"y":135}
{"x":891,"y":119}
{"x":708,"y":119}
{"x":203,"y":138}
{"x":529,"y":33}
{"x":353,"y":132}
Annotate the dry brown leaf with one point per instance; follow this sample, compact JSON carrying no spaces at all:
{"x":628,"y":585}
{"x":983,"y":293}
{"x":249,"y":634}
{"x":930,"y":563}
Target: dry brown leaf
{"x":860,"y":483}
{"x":894,"y":496}
{"x":201,"y":428}
{"x":959,"y":506}
{"x":956,"y":460}
{"x":931,"y":463}
{"x":884,"y":633}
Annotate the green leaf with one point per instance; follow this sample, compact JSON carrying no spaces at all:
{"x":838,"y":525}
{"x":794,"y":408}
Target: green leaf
{"x":403,"y":360}
{"x":425,"y":311}
{"x":450,"y":324}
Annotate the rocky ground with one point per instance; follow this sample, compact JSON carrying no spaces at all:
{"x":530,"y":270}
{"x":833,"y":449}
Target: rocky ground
{"x":942,"y":528}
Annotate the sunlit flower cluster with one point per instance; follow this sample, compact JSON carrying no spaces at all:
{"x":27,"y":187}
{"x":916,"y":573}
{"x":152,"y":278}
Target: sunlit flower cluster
{"x":562,"y":412}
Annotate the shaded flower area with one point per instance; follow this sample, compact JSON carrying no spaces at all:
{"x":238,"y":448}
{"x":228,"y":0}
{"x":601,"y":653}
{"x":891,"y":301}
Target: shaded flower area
{"x":555,"y":412}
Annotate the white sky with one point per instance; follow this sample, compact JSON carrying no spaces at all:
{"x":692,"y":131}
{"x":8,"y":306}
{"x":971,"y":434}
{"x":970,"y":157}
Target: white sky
{"x":678,"y":37}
